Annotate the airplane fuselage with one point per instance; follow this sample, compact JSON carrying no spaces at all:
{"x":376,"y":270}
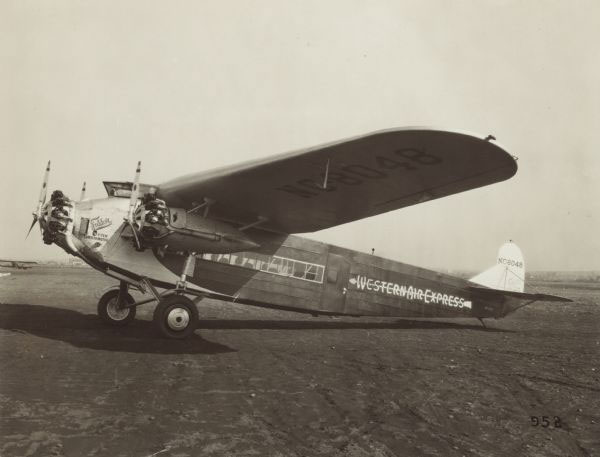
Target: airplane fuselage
{"x":283,"y":271}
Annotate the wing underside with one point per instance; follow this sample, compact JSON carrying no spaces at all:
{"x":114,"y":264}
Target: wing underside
{"x":317,"y":188}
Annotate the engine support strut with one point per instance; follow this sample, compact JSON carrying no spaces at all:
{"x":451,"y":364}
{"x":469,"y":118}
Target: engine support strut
{"x":188,"y":270}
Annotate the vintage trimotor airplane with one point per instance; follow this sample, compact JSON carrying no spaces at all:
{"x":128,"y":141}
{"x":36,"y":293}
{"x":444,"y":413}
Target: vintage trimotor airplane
{"x":227,"y":233}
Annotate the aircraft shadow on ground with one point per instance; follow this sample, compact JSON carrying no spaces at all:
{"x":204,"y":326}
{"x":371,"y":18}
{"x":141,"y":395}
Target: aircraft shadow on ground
{"x":88,"y":331}
{"x":268,"y":324}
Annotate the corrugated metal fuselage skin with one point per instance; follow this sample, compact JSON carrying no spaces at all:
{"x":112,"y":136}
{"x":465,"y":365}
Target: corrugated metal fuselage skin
{"x":290,"y":272}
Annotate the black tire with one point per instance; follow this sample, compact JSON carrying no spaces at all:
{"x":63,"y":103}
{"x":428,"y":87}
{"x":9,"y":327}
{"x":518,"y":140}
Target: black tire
{"x":176,"y":316}
{"x":110,"y":314}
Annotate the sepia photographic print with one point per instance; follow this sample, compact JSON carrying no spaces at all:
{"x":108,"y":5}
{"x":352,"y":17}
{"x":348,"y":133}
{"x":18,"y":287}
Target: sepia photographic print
{"x":300,"y":228}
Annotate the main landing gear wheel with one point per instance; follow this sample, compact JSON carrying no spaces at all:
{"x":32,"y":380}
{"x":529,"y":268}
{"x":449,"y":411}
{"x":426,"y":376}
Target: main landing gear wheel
{"x":176,"y":316}
{"x":110,"y":313}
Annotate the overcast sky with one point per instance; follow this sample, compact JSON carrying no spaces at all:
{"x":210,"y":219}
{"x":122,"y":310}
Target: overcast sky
{"x":189,"y":86}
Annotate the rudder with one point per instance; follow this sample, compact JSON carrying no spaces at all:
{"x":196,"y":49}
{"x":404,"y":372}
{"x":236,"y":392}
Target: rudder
{"x":508,"y":273}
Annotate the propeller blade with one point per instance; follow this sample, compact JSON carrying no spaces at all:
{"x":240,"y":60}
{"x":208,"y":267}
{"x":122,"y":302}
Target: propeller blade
{"x":134,"y":193}
{"x":43,"y":192}
{"x":31,"y":227}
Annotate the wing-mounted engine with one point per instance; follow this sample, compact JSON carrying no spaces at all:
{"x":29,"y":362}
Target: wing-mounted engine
{"x":157,"y":225}
{"x":152,"y":220}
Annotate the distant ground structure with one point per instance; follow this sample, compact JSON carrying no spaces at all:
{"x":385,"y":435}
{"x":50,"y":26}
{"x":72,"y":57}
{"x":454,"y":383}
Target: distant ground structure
{"x":73,"y":262}
{"x":575,"y":276}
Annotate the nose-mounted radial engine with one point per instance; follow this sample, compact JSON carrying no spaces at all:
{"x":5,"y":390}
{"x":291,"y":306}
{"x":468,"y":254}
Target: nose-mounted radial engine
{"x":57,"y":217}
{"x":54,"y":217}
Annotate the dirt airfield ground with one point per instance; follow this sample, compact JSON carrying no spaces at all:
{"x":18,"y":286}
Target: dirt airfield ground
{"x":268,"y":383}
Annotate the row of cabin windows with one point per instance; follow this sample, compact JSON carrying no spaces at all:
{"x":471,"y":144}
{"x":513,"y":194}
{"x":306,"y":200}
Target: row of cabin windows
{"x":271,"y":264}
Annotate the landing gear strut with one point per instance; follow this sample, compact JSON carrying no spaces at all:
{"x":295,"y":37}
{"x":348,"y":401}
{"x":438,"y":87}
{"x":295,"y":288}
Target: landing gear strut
{"x":175,"y":315}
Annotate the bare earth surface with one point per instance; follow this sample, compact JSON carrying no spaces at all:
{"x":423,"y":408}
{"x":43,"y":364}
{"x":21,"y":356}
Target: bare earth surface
{"x":268,"y":383}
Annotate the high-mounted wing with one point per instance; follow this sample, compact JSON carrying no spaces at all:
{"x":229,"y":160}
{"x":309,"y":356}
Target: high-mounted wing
{"x":317,"y":188}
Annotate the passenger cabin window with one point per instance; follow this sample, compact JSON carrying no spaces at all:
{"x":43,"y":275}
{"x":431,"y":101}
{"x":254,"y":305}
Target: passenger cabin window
{"x":311,"y":272}
{"x":281,"y":266}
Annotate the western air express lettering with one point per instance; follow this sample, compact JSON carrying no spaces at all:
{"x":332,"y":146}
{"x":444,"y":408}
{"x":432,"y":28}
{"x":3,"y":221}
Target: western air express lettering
{"x":410,"y":292}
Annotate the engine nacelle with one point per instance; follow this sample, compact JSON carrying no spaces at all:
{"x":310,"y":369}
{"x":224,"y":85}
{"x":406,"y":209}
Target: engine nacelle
{"x":160,"y":226}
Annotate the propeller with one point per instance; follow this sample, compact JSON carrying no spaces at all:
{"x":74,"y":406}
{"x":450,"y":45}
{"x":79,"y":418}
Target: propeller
{"x":41,"y":200}
{"x":134,"y":193}
{"x":83,"y":192}
{"x":133,"y":199}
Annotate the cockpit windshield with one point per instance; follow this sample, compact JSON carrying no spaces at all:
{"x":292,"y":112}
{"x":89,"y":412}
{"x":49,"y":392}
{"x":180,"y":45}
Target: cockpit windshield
{"x":122,"y":189}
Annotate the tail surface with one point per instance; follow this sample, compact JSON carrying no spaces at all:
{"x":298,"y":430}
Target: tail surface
{"x":508,"y":273}
{"x":505,"y":282}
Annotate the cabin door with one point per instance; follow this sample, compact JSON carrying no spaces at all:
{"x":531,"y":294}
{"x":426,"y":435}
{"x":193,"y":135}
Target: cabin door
{"x":335,"y":282}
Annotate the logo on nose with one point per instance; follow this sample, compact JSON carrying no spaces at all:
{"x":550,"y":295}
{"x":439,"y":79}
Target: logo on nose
{"x":100,"y":222}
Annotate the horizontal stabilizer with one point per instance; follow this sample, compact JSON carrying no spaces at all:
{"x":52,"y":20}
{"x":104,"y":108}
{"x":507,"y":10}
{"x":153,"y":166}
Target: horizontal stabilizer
{"x":522,"y":295}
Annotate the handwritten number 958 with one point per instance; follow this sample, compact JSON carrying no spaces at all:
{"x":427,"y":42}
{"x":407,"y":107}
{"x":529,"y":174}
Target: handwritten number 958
{"x":545,"y":421}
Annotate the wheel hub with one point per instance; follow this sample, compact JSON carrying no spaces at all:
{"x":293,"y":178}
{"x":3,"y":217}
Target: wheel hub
{"x":178,"y":318}
{"x":115,"y":312}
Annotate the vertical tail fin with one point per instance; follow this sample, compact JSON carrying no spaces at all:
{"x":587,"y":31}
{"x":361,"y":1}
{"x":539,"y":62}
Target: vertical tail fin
{"x":508,"y":273}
